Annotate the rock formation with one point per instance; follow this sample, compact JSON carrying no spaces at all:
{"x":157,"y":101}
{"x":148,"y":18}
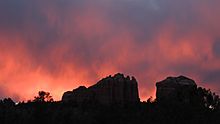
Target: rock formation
{"x":175,"y":89}
{"x":110,"y":90}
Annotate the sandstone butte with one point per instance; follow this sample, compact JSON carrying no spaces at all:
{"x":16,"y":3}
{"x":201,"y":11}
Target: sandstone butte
{"x":124,"y":90}
{"x":110,"y":90}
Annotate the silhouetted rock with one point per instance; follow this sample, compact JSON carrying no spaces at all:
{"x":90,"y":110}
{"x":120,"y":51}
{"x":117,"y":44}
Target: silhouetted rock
{"x":175,"y":89}
{"x":110,"y":90}
{"x":81,"y":94}
{"x":204,"y":109}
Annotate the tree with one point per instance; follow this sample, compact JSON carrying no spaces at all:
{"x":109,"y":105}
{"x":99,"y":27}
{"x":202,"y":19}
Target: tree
{"x":150,"y":100}
{"x":207,"y":98}
{"x":7,"y":102}
{"x":43,"y":97}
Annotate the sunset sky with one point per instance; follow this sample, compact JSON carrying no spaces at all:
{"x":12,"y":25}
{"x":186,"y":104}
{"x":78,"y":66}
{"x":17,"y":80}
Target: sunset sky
{"x":58,"y":45}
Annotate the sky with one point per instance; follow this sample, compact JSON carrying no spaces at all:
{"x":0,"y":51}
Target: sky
{"x":58,"y":45}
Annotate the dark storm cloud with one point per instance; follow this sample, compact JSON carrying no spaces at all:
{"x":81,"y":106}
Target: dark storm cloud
{"x":216,"y":48}
{"x":12,"y":13}
{"x":212,"y":76}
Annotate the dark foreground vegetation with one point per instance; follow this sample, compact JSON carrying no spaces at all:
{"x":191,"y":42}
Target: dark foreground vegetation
{"x":202,"y":109}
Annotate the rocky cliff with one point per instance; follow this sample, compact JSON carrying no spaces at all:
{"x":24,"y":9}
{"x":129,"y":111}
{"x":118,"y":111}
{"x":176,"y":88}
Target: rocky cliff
{"x":175,"y":89}
{"x":110,"y":90}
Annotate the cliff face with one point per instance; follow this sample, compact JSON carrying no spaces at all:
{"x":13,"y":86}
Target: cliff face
{"x":175,"y":89}
{"x":110,"y":90}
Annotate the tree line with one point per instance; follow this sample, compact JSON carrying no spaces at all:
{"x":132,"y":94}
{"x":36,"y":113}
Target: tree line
{"x":204,"y":107}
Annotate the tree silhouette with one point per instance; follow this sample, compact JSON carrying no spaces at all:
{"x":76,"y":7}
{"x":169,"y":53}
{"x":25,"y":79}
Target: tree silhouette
{"x":207,"y":98}
{"x":43,"y":97}
{"x":7,"y":102}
